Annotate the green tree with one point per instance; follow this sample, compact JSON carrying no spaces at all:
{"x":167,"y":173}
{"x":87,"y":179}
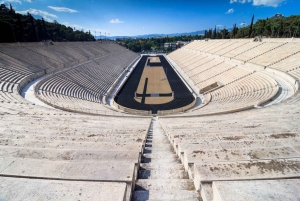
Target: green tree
{"x":20,"y":33}
{"x":34,"y":36}
{"x":215,"y":33}
{"x":251,"y":26}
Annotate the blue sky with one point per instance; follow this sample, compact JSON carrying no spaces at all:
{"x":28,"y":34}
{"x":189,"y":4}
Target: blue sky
{"x":137,"y":17}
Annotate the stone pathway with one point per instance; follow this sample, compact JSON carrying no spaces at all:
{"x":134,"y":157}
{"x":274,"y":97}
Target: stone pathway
{"x":161,"y":175}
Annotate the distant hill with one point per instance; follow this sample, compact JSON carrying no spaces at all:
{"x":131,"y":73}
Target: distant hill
{"x":154,"y":35}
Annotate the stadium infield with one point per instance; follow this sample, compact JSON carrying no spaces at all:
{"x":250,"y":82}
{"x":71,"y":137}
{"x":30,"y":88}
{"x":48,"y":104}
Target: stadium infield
{"x":154,"y":85}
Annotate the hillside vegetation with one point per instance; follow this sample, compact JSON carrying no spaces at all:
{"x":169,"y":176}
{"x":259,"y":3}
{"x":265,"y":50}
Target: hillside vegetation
{"x":16,"y":27}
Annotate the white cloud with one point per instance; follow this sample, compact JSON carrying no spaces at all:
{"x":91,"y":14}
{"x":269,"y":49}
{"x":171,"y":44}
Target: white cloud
{"x":15,"y":1}
{"x":271,"y":3}
{"x":62,"y":9}
{"x":10,"y":1}
{"x":116,"y":21}
{"x":243,"y":24}
{"x":42,"y":13}
{"x":240,"y":1}
{"x":231,"y":10}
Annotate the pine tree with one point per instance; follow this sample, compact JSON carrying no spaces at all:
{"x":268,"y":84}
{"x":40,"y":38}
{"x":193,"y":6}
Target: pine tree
{"x":39,"y":31}
{"x":20,"y":35}
{"x":210,"y":33}
{"x":45,"y":31}
{"x":251,"y":26}
{"x":280,"y":29}
{"x":224,"y":33}
{"x":215,"y":33}
{"x":33,"y":35}
{"x":205,"y":34}
{"x":11,"y":10}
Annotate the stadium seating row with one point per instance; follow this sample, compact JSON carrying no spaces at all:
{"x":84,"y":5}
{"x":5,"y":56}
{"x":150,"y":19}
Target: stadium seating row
{"x":222,"y":61}
{"x":94,"y":69}
{"x":228,"y":154}
{"x":237,"y":155}
{"x":41,"y":143}
{"x":250,"y":145}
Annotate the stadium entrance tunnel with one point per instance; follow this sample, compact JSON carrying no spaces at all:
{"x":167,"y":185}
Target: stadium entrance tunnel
{"x":154,"y":86}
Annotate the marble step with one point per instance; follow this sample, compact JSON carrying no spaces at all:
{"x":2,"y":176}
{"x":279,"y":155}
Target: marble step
{"x":258,"y":190}
{"x":151,"y":166}
{"x":165,"y":184}
{"x":162,"y":174}
{"x":158,"y":145}
{"x":160,"y":154}
{"x":160,"y":195}
{"x":162,"y":148}
{"x":162,"y":140}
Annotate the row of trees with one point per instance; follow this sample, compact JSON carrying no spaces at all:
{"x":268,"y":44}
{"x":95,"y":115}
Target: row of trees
{"x":24,"y":28}
{"x":275,"y":27}
{"x":154,"y":43}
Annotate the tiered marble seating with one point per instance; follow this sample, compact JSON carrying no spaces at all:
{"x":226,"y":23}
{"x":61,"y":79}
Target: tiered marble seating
{"x":245,"y":93}
{"x":97,"y":67}
{"x":283,"y":52}
{"x":289,"y":64}
{"x":250,"y":145}
{"x":258,"y":50}
{"x":295,"y":73}
{"x":32,"y":189}
{"x":23,"y":54}
{"x":13,"y":64}
{"x":228,"y":76}
{"x":258,"y":146}
{"x":88,"y":82}
{"x":232,"y":44}
{"x":207,"y":62}
{"x":39,"y":143}
{"x":239,"y":155}
{"x":241,"y":49}
{"x":205,"y":69}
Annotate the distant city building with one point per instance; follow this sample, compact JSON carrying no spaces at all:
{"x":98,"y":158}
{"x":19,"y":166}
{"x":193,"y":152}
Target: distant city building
{"x":180,"y":44}
{"x":176,"y":45}
{"x":172,"y":45}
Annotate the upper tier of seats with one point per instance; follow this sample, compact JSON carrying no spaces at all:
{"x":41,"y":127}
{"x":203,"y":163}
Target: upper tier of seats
{"x":265,"y":53}
{"x":224,"y":62}
{"x":89,"y":69}
{"x":88,"y":82}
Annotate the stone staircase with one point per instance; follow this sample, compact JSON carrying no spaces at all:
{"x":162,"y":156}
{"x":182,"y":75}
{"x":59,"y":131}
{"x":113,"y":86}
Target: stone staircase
{"x":161,"y":175}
